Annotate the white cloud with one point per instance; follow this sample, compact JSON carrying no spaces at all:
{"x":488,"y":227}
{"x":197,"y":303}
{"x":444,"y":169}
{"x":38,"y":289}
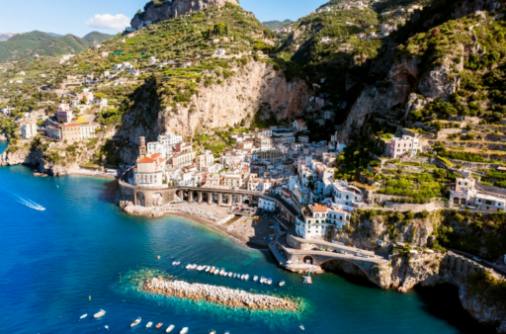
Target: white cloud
{"x":116,"y":22}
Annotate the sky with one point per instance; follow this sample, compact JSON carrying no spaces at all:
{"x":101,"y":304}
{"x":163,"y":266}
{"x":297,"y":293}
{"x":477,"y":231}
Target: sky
{"x":82,"y":16}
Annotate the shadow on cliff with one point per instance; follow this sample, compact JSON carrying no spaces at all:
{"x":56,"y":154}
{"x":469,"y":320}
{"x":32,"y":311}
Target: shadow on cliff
{"x":442,"y":301}
{"x":141,"y":117}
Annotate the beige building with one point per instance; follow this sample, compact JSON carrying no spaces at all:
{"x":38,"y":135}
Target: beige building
{"x":183,"y":156}
{"x":76,"y":132}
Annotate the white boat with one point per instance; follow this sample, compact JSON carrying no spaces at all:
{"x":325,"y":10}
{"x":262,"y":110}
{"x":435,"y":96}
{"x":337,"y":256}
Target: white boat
{"x":170,"y":329}
{"x":302,"y":328}
{"x":83,"y":316}
{"x":99,"y":314}
{"x":184,"y":330}
{"x":212,"y":332}
{"x":308,"y":279}
{"x":136,"y":322}
{"x":106,"y":327}
{"x":149,"y":324}
{"x":282,"y":284}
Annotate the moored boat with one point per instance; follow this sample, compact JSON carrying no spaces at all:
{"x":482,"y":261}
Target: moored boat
{"x":99,"y":314}
{"x":159,"y":325}
{"x":83,"y":316}
{"x":149,"y":324}
{"x":170,"y":329}
{"x":184,"y":330}
{"x":136,"y":322}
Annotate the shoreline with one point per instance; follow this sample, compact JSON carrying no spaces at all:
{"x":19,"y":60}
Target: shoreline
{"x":207,"y":223}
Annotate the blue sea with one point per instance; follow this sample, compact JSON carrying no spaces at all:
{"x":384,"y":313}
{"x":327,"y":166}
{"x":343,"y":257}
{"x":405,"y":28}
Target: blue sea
{"x":66,"y":249}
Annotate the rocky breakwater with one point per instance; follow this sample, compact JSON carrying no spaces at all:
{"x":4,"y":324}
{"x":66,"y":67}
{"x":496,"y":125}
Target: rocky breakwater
{"x":232,"y":298}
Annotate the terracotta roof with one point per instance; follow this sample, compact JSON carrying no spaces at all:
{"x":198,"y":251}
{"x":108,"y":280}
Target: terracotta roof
{"x":149,"y":158}
{"x":319,"y":208}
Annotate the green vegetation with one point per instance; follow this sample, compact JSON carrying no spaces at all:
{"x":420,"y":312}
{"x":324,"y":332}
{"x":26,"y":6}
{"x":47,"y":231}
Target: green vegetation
{"x":495,"y":178}
{"x":26,"y":46}
{"x":475,"y":233}
{"x":482,"y":74}
{"x":218,"y":141}
{"x":188,"y":46}
{"x":491,"y":288}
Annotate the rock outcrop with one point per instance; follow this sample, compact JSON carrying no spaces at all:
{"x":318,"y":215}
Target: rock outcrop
{"x":255,"y":88}
{"x":414,"y":74}
{"x":160,"y":10}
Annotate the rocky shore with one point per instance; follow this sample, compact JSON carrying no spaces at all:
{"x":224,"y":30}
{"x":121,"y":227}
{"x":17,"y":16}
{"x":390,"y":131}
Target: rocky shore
{"x":227,"y":297}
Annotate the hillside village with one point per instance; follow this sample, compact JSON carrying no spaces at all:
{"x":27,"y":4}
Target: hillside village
{"x":410,"y":161}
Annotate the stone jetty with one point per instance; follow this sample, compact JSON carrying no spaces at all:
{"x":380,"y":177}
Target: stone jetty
{"x":232,"y":298}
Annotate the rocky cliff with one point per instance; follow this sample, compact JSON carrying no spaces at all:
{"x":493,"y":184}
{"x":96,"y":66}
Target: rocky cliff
{"x":156,"y":11}
{"x":432,"y":71}
{"x":254,"y":90}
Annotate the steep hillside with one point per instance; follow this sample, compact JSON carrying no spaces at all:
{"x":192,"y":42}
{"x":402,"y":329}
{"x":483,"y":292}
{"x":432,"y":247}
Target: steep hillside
{"x":189,"y":74}
{"x":28,"y":45}
{"x":333,"y":46}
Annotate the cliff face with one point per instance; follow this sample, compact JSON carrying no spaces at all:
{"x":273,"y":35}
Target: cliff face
{"x":156,"y":11}
{"x":481,"y":291}
{"x":367,"y":228}
{"x":254,"y":88}
{"x":428,"y":75}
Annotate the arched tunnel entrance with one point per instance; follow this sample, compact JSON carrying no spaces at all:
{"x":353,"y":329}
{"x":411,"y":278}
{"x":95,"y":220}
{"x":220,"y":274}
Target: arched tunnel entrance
{"x":348,"y":270}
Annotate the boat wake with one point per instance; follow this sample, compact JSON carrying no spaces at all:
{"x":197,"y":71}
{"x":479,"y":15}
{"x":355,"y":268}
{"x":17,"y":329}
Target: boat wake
{"x":30,"y":204}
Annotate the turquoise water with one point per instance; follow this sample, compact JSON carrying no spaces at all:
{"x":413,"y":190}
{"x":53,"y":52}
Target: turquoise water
{"x":82,"y":245}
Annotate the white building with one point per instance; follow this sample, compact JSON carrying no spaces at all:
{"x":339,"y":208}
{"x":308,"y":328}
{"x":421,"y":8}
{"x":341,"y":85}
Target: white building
{"x":28,"y":130}
{"x":321,"y":222}
{"x":170,"y":139}
{"x":467,"y":194}
{"x":205,"y":160}
{"x":149,"y":171}
{"x":346,"y":195}
{"x":157,"y":148}
{"x":403,"y":146}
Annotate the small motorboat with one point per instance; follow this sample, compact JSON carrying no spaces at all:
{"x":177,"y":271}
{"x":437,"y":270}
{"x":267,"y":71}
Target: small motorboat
{"x":184,"y":330}
{"x":106,"y":327}
{"x":212,"y":332}
{"x":170,"y":329}
{"x":83,"y":316}
{"x":282,"y":284}
{"x":100,"y":314}
{"x":149,"y":324}
{"x":302,"y":328}
{"x":136,"y":322}
{"x":308,"y":279}
{"x":159,"y":325}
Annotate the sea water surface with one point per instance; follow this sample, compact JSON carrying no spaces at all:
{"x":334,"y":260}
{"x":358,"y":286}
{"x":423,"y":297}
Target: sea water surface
{"x":75,"y":255}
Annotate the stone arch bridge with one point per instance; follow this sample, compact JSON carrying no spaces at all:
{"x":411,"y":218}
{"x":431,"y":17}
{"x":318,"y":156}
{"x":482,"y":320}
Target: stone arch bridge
{"x":301,"y":255}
